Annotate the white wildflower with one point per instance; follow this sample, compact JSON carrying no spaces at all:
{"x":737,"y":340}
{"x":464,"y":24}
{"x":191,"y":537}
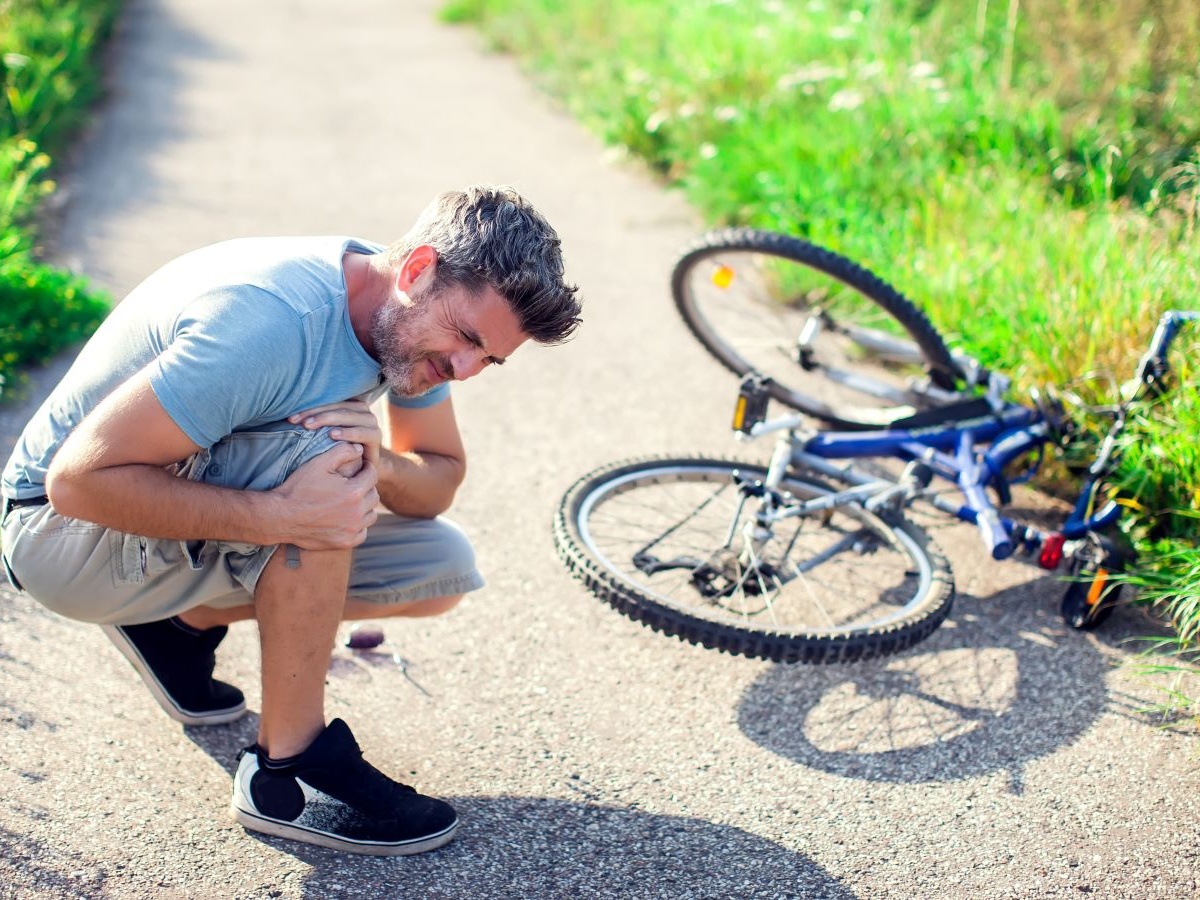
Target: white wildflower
{"x":725,"y":113}
{"x":922,"y":70}
{"x":847,"y":98}
{"x":657,"y":119}
{"x":708,"y":151}
{"x":809,"y":74}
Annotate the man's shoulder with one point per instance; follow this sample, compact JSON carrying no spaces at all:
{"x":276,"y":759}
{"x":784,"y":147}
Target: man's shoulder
{"x":263,"y":260}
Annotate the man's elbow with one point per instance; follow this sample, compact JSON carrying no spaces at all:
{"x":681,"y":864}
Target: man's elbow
{"x":456,"y":474}
{"x":65,"y":492}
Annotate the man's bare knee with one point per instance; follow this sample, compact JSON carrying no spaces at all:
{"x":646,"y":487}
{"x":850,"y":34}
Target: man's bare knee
{"x":291,"y":569}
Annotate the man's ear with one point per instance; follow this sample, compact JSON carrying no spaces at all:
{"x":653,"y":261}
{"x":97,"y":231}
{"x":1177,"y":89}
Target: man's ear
{"x":420,"y":261}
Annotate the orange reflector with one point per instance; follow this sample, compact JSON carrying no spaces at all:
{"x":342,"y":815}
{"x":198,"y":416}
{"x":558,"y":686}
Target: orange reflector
{"x":722,"y":276}
{"x":1097,"y":587}
{"x":739,"y":414}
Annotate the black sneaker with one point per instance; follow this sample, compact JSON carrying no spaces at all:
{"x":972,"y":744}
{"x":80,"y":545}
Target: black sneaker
{"x":176,"y":661}
{"x":330,"y":795}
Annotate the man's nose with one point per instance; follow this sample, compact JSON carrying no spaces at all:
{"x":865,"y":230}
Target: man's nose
{"x":467,"y":363}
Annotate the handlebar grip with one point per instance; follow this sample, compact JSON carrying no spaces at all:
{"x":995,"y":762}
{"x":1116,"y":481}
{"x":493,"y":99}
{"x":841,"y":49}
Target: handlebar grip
{"x":994,"y":534}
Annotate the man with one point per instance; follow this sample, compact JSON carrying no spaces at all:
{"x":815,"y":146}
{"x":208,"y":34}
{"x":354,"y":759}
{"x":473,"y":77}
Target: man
{"x":212,"y":456}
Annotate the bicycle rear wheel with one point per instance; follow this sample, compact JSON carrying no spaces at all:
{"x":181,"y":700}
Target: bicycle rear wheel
{"x":671,"y":542}
{"x":837,"y":342}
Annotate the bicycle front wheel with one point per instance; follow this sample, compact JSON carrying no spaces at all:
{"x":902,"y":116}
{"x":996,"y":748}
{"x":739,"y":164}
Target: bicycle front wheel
{"x":675,"y":543}
{"x":837,"y":342}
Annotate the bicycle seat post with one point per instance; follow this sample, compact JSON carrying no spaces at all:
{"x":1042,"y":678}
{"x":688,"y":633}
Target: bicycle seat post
{"x":781,"y":458}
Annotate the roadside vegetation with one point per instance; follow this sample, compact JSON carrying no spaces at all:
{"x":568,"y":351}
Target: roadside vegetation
{"x":1028,"y":173}
{"x":49,"y":72}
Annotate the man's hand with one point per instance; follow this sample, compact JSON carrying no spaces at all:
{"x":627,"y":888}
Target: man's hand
{"x":329,"y":502}
{"x":350,"y":420}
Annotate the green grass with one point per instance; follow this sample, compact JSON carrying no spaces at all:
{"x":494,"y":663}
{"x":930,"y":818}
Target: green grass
{"x":49,"y":73}
{"x":1028,"y":173}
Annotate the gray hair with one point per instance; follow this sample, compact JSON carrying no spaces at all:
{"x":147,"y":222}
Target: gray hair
{"x":489,"y":236}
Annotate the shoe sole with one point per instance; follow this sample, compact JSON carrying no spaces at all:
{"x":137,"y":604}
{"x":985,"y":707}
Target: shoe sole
{"x":309,"y":836}
{"x":172,"y":709}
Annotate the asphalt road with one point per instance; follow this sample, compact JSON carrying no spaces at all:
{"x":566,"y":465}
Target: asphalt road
{"x":1004,"y":757}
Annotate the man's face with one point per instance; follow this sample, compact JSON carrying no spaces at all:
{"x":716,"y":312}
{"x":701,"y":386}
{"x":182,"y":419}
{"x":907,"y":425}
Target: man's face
{"x":424,"y":339}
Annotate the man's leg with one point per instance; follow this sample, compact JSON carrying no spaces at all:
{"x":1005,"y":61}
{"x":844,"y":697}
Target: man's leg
{"x":304,"y":779}
{"x":298,"y":611}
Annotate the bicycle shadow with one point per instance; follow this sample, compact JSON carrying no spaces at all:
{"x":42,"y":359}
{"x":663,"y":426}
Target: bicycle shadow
{"x":538,"y":847}
{"x":1003,"y":682}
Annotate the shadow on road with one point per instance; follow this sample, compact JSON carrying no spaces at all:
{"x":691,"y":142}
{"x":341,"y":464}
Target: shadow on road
{"x":223,"y":742}
{"x":583,"y":850}
{"x":32,"y":867}
{"x":1002,"y":683}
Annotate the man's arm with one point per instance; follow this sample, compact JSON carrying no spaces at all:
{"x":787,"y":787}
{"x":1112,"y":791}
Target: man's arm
{"x":419,"y":451}
{"x":112,"y":471}
{"x":424,"y":461}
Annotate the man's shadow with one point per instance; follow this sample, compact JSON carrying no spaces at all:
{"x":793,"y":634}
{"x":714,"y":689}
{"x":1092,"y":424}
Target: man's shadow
{"x":535,"y":847}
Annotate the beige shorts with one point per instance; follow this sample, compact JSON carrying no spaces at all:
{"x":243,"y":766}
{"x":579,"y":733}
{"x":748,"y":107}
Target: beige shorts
{"x":95,"y":574}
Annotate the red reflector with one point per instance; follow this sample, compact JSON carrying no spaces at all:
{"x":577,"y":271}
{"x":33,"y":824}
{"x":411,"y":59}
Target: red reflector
{"x":1052,"y":551}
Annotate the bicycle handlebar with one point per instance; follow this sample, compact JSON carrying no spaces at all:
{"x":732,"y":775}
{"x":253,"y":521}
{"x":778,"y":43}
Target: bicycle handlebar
{"x":1153,"y":365}
{"x":995,"y":535}
{"x":972,"y":476}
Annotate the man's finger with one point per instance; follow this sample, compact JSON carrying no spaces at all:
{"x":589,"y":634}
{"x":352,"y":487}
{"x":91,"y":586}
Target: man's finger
{"x":341,"y":453}
{"x":368,"y":474}
{"x":360,"y":434}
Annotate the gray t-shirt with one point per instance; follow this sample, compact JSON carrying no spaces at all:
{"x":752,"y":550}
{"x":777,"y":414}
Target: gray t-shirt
{"x":232,"y":336}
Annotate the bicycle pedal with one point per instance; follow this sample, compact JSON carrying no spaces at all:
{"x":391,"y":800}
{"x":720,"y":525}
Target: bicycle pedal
{"x":918,"y":474}
{"x":751,"y":405}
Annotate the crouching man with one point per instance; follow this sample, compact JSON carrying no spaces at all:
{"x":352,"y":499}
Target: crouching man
{"x":212,"y":456}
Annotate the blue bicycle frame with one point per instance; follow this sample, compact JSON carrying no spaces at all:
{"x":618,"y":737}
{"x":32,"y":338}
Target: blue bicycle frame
{"x":972,"y":451}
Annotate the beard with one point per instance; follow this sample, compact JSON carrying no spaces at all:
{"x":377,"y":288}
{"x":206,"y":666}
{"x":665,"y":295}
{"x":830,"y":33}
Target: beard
{"x":400,"y":355}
